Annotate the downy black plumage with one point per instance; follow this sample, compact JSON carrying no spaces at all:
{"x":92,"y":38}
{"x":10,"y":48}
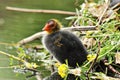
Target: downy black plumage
{"x":64,"y":45}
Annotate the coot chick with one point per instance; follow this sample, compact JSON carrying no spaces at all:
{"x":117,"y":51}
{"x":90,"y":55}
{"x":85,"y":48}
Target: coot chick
{"x":64,"y":45}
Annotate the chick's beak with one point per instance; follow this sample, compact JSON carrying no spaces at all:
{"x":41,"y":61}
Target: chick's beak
{"x":46,"y":28}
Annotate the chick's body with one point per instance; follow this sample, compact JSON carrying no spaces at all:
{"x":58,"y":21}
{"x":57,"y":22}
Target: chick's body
{"x":65,"y":47}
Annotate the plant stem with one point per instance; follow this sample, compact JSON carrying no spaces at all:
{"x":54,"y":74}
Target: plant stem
{"x":108,"y":51}
{"x":12,"y":56}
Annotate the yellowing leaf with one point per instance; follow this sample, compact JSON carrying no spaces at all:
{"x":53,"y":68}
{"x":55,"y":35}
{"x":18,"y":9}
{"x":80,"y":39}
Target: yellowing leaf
{"x":117,"y":58}
{"x":91,"y":57}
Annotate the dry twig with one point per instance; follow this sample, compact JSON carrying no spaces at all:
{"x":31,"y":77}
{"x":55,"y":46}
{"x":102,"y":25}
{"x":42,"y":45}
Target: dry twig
{"x":34,"y":73}
{"x":110,"y":67}
{"x":40,"y":34}
{"x":100,"y":19}
{"x":40,"y":11}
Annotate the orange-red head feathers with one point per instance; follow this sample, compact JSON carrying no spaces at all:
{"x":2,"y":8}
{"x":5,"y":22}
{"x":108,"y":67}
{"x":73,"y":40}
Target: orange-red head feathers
{"x":52,"y":25}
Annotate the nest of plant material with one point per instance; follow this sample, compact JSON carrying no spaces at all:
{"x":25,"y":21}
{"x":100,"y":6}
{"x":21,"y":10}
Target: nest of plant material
{"x":97,"y":25}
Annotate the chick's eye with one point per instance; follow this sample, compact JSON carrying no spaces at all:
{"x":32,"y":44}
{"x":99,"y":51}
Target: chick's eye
{"x":51,"y":23}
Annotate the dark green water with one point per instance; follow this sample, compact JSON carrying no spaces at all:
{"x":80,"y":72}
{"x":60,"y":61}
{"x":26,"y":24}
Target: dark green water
{"x":15,"y":26}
